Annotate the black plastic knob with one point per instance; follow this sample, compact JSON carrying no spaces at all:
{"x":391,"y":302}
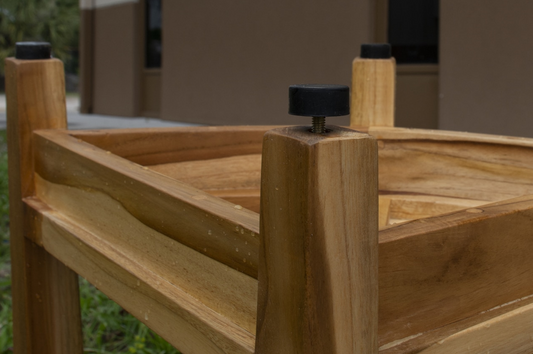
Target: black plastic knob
{"x":376,"y":51}
{"x":319,"y":100}
{"x":33,"y":50}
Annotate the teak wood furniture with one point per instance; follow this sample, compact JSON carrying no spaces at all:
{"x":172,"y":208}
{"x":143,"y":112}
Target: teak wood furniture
{"x":252,"y":240}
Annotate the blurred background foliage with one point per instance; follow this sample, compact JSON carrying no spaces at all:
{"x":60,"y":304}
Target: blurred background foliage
{"x":54,"y":21}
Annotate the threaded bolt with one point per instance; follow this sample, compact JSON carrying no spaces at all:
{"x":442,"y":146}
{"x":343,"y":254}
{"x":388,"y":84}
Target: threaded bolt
{"x":319,"y":125}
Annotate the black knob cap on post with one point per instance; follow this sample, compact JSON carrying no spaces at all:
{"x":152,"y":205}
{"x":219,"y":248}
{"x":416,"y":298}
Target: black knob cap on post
{"x":319,"y":102}
{"x":33,"y":50}
{"x":376,"y":51}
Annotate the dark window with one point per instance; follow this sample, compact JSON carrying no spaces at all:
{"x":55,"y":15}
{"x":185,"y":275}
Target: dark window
{"x":153,"y":34}
{"x":414,"y":31}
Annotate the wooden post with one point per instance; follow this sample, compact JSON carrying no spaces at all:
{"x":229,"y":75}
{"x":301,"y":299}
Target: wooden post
{"x":46,"y":309}
{"x":318,"y":264}
{"x":373,"y":85}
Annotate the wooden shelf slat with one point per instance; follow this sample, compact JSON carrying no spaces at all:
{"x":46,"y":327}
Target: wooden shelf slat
{"x":155,"y":146}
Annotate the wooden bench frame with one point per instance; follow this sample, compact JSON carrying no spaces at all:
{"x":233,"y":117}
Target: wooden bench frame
{"x":302,"y":277}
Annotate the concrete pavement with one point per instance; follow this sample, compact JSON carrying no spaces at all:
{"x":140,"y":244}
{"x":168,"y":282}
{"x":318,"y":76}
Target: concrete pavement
{"x":95,"y":121}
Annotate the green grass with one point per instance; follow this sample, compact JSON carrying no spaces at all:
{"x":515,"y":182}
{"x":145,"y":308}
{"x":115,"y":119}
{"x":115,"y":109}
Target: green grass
{"x":107,"y":328}
{"x":6,"y":319}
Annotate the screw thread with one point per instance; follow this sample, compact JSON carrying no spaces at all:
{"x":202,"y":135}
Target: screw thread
{"x":319,"y":125}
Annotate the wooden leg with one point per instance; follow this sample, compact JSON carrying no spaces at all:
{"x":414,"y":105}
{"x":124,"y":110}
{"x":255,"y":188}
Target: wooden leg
{"x":373,"y":88}
{"x":46,"y":309}
{"x":318,"y":265}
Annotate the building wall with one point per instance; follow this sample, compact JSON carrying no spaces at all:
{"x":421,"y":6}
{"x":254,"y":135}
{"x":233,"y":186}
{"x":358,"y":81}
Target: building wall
{"x":231,"y":62}
{"x":114,"y":89}
{"x":86,"y":48}
{"x":417,"y":85}
{"x":486,"y":71}
{"x":417,"y":96}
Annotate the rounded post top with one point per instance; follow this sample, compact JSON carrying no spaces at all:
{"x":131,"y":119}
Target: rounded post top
{"x":376,"y":51}
{"x":319,"y":100}
{"x":33,"y":50}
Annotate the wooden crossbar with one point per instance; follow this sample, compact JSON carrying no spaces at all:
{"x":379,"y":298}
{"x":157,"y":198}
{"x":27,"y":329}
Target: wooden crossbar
{"x":154,"y":146}
{"x":184,"y":213}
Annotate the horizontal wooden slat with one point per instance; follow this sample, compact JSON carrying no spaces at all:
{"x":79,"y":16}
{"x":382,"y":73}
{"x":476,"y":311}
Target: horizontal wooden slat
{"x":166,"y":145}
{"x":463,"y":165}
{"x":435,"y":338}
{"x":188,"y":215}
{"x":237,"y":179}
{"x":390,"y":133}
{"x":507,"y":334}
{"x":197,"y":304}
{"x":235,"y":172}
{"x":439,"y":270}
{"x":460,"y":165}
{"x":392,"y":208}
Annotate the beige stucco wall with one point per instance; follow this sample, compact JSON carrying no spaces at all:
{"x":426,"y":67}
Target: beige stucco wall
{"x":486,"y":71}
{"x":231,"y":62}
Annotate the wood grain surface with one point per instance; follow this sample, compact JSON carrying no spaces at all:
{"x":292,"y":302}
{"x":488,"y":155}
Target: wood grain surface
{"x":46,"y":311}
{"x":373,"y":88}
{"x":441,"y":163}
{"x":509,"y":333}
{"x":436,"y":274}
{"x":396,"y":208}
{"x":197,"y":304}
{"x":421,"y":341}
{"x":318,"y":258}
{"x":439,"y":270}
{"x":186,"y":214}
{"x":246,"y":198}
{"x":459,"y":165}
{"x":154,"y":146}
{"x":237,"y":180}
{"x":227,"y":173}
